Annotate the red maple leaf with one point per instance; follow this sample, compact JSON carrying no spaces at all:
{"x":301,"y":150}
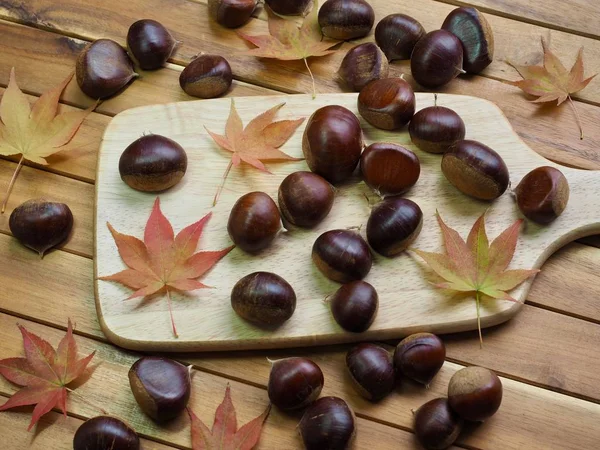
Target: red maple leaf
{"x":163,"y":261}
{"x":225,"y":434}
{"x":44,"y":373}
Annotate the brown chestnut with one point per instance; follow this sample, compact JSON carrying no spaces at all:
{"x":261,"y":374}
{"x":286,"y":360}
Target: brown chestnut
{"x":436,"y":59}
{"x":397,"y":35}
{"x":150,"y":43}
{"x":104,"y":432}
{"x":543,"y":194}
{"x":332,"y":143}
{"x":476,"y":170}
{"x":475,"y":393}
{"x":393,"y":225}
{"x":342,"y":256}
{"x":41,"y":225}
{"x":419,"y":357}
{"x":254,"y":222}
{"x":160,"y":386}
{"x":346,"y":19}
{"x":328,"y":423}
{"x":305,"y":199}
{"x":103,"y":68}
{"x":207,"y":76}
{"x":231,"y":13}
{"x":436,"y":425}
{"x":372,"y":371}
{"x":354,"y":306}
{"x":294,"y":383}
{"x":388,"y":104}
{"x":153,"y":163}
{"x":263,"y":298}
{"x":389,"y":169}
{"x":435,"y":129}
{"x":476,"y":36}
{"x":289,"y":7}
{"x":363,"y":64}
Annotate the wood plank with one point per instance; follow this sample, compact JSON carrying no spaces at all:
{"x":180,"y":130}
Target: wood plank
{"x":530,"y":417}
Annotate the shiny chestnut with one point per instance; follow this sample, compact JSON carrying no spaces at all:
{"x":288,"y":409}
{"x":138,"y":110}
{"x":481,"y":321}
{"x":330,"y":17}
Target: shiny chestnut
{"x":328,"y":423}
{"x":436,"y":425}
{"x":346,"y":19}
{"x":475,"y":393}
{"x":397,"y":35}
{"x":342,"y":256}
{"x":254,"y":222}
{"x":354,"y":306}
{"x":543,"y":194}
{"x":372,"y":371}
{"x":436,"y":128}
{"x":436,"y":59}
{"x":419,"y":357}
{"x":104,"y":432}
{"x":389,"y":169}
{"x":231,"y":13}
{"x":363,"y":64}
{"x":289,"y":7}
{"x":294,"y":383}
{"x":207,"y":76}
{"x":305,"y":199}
{"x":388,"y":104}
{"x":150,"y":43}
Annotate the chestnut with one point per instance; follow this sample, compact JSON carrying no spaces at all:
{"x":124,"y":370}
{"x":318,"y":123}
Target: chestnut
{"x":354,"y":306}
{"x":372,"y":371}
{"x":346,"y":19}
{"x":160,"y":386}
{"x":305,"y":199}
{"x":289,"y":7}
{"x":342,"y":256}
{"x":397,"y":35}
{"x":389,"y":169}
{"x":419,"y":357}
{"x":543,"y":194}
{"x":436,"y":425}
{"x":153,"y":163}
{"x":231,"y":13}
{"x":41,"y":225}
{"x":150,"y":43}
{"x":254,"y":222}
{"x":475,"y":393}
{"x":388,"y":104}
{"x":393,"y":225}
{"x":332,"y":143}
{"x":476,"y":170}
{"x":363,"y":64}
{"x":104,"y":432}
{"x":436,"y":59}
{"x":207,"y":76}
{"x":328,"y":423}
{"x":103,"y":68}
{"x":476,"y":36}
{"x":294,"y":383}
{"x":263,"y":298}
{"x":436,"y":128}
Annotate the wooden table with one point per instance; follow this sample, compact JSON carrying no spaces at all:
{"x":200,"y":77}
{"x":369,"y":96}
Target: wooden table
{"x":547,"y":355}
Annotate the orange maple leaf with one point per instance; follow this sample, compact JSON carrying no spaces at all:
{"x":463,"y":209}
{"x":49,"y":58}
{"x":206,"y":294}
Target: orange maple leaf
{"x":44,"y":373}
{"x":287,"y":42}
{"x":225,"y":434}
{"x":258,"y":142}
{"x":552,"y":81}
{"x":475,"y":266}
{"x":37,"y":132}
{"x":163,"y":260}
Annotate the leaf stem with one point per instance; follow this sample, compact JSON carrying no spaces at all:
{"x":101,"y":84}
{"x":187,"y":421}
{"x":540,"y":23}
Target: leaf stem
{"x":218,"y":194}
{"x":86,"y":401}
{"x":314,"y":88}
{"x":478,"y":319}
{"x":577,"y":118}
{"x":171,"y":313}
{"x":12,"y":183}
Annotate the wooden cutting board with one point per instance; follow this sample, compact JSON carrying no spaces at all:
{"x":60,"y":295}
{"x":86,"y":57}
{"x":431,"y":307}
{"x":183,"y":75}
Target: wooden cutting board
{"x":408,"y":304}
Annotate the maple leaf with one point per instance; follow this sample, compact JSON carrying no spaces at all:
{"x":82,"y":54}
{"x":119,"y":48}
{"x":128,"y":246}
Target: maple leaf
{"x":552,"y":81}
{"x":163,"y":261}
{"x":287,"y":42}
{"x":44,"y":373}
{"x":475,"y":266}
{"x":258,"y":142}
{"x":225,"y":434}
{"x":37,"y":132}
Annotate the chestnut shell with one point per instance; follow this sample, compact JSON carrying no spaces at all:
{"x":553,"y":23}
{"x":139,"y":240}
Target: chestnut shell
{"x":346,"y":19}
{"x":354,"y":306}
{"x":207,"y":76}
{"x":397,"y":35}
{"x":305,"y":199}
{"x":150,"y":43}
{"x":104,"y":432}
{"x":328,"y":423}
{"x":388,"y":104}
{"x":419,"y":357}
{"x":543,"y":194}
{"x":294,"y":383}
{"x":372,"y":371}
{"x":436,"y":128}
{"x":342,"y":256}
{"x":389,"y":169}
{"x":436,"y":59}
{"x":254,"y":222}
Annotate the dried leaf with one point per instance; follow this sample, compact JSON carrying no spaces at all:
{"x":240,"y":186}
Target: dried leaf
{"x":37,"y":132}
{"x":44,"y":373}
{"x":225,"y":434}
{"x":163,"y":261}
{"x":552,"y":81}
{"x":258,"y":142}
{"x":287,"y":42}
{"x":475,"y":266}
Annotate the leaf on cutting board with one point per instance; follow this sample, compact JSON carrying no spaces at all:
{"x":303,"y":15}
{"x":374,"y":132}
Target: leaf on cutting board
{"x":35,"y":132}
{"x":43,"y":373}
{"x":163,"y":261}
{"x":259,"y":141}
{"x":475,"y":266}
{"x":225,"y":434}
{"x":552,"y":82}
{"x":287,"y":42}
